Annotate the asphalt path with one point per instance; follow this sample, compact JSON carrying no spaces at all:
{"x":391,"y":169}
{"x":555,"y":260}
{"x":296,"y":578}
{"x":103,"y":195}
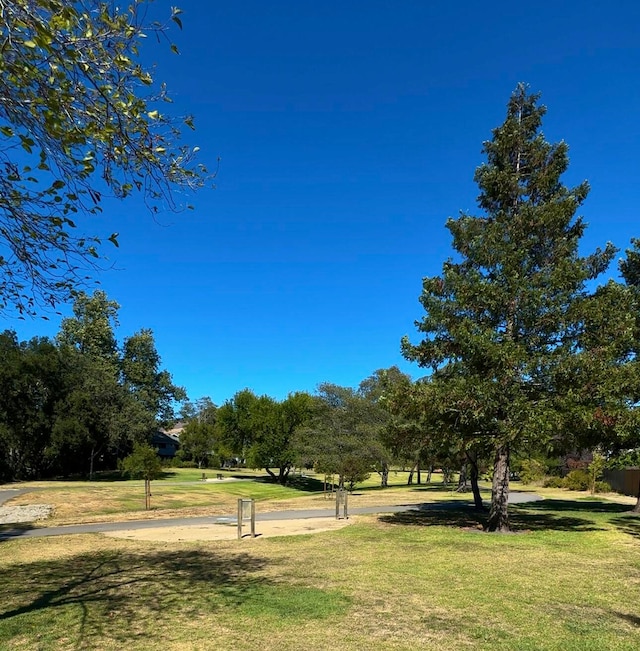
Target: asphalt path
{"x":9,"y":493}
{"x":300,"y":514}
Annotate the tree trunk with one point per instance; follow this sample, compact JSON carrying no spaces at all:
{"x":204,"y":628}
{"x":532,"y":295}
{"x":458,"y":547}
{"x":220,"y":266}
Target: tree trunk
{"x":419,"y":476}
{"x":410,"y":478}
{"x":271,"y":474}
{"x":384,"y":475}
{"x":462,"y":480}
{"x":499,"y":514}
{"x":472,"y":458}
{"x":92,"y":457}
{"x":473,"y":476}
{"x":429,"y":473}
{"x":284,"y":475}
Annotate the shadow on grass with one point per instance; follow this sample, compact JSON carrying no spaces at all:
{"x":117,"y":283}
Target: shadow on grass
{"x":444,"y":516}
{"x":14,"y":530}
{"x":122,"y":590}
{"x":582,"y":505}
{"x":304,"y":484}
{"x":533,"y":516}
{"x":627,"y":617}
{"x":628,"y":524}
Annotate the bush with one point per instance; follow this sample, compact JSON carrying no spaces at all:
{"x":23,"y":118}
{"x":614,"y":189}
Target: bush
{"x":531,"y":470}
{"x":578,"y":480}
{"x":603,"y":487}
{"x":553,"y":482}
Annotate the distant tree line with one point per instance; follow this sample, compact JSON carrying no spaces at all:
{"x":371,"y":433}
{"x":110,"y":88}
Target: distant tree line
{"x":78,"y":403}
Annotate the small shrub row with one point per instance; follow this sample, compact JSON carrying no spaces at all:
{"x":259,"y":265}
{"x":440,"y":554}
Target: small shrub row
{"x":577,"y":480}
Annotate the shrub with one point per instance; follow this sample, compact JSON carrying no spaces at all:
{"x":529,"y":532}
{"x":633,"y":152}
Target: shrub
{"x":578,"y":480}
{"x":603,"y":487}
{"x":531,"y":470}
{"x":553,"y":482}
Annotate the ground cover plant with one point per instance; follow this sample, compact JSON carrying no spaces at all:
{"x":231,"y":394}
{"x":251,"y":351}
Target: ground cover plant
{"x":568,"y":578}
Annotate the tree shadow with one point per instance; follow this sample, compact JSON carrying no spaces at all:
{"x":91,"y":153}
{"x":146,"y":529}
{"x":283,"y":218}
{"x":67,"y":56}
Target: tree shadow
{"x":455,"y":517}
{"x":592,"y":506}
{"x":438,"y":488}
{"x":128,"y":589}
{"x":14,"y":530}
{"x":521,"y":518}
{"x":629,"y":524}
{"x":306,"y":484}
{"x":632,"y":619}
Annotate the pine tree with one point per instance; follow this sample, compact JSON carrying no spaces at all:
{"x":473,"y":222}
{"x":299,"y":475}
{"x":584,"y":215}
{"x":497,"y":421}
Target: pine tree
{"x":505,"y":313}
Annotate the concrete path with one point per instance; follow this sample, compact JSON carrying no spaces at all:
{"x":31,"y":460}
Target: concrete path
{"x":98,"y":527}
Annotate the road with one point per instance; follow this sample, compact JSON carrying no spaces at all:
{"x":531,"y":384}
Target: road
{"x":98,"y":527}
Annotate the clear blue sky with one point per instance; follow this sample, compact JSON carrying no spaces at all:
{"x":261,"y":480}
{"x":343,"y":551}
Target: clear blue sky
{"x":349,"y":132}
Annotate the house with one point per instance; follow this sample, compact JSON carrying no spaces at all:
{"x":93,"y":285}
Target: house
{"x":166,"y":443}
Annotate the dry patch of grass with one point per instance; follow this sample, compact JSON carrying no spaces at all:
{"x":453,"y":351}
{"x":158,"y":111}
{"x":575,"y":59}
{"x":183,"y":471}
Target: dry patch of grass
{"x":84,"y":502}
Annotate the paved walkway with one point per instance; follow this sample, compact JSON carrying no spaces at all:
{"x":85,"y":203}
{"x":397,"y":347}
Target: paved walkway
{"x":9,"y":493}
{"x":98,"y":527}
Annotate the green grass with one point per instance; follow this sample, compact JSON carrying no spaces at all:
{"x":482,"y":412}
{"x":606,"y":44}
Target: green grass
{"x":85,"y":501}
{"x":568,"y":579}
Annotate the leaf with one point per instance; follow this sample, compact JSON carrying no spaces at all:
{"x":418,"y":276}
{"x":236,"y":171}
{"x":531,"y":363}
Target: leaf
{"x":174,"y":48}
{"x":153,"y":115}
{"x":30,"y":44}
{"x":114,"y":239}
{"x":177,"y":21}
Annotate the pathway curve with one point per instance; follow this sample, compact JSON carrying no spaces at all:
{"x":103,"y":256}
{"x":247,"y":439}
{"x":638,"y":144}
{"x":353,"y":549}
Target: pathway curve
{"x":98,"y":527}
{"x":10,"y":493}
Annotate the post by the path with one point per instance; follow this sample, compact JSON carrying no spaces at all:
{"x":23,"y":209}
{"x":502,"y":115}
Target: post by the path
{"x":246,"y":511}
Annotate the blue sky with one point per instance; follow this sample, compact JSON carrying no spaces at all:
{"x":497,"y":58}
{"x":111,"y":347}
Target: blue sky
{"x":349,"y":132}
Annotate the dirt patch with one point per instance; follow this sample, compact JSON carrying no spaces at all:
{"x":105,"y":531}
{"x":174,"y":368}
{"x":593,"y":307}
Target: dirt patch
{"x":230,"y":532}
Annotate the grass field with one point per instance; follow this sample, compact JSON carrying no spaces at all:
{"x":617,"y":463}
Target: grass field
{"x":180,"y":492}
{"x":568,"y":579}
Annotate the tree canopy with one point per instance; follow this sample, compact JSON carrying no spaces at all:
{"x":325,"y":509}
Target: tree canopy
{"x":79,"y":403}
{"x":80,"y":118}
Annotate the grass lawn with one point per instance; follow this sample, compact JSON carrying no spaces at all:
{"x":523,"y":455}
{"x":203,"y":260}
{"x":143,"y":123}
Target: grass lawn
{"x":568,"y":580}
{"x":180,"y":492}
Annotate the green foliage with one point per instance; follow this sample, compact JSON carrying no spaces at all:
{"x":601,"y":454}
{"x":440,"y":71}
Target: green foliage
{"x":355,"y":470}
{"x":577,"y":480}
{"x":262,"y":430}
{"x":199,"y":441}
{"x":74,"y":405}
{"x":142,"y":377}
{"x":532,"y":470}
{"x":596,"y":468}
{"x":504,"y":318}
{"x":142,"y":463}
{"x":602,"y":487}
{"x":80,"y":117}
{"x":343,"y":436}
{"x":626,"y":459}
{"x":554,"y":482}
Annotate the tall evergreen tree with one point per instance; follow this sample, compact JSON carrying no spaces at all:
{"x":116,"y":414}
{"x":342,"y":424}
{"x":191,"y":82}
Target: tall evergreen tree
{"x":506,"y":313}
